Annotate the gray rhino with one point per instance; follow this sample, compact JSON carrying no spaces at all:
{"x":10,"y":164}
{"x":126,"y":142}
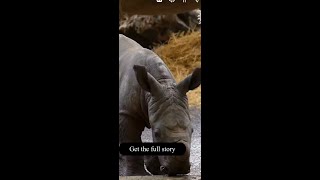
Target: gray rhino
{"x":150,"y":97}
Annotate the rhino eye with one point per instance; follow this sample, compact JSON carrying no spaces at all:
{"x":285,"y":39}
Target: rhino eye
{"x":157,"y":134}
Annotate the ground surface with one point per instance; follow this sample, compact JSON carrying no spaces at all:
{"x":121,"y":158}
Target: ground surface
{"x":195,"y":157}
{"x":159,"y":178}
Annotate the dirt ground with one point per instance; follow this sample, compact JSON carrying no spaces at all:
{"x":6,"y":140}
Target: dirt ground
{"x":159,"y":178}
{"x":195,"y":157}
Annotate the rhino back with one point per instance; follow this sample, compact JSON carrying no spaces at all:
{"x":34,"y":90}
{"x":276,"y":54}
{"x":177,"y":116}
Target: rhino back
{"x":130,"y":53}
{"x":130,"y":92}
{"x":131,"y":96}
{"x":126,"y":43}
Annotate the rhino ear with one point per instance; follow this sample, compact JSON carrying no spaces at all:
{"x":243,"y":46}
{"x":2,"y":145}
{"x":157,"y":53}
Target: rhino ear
{"x":190,"y":82}
{"x":146,"y":80}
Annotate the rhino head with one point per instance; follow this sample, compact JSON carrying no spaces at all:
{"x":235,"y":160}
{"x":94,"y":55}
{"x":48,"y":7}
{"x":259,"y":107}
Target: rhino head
{"x":169,"y":117}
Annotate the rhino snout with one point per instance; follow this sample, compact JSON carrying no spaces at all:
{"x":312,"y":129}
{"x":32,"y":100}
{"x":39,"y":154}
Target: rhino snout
{"x":179,"y":164}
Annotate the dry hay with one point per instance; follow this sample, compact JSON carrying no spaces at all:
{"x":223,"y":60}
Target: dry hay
{"x":182,"y":54}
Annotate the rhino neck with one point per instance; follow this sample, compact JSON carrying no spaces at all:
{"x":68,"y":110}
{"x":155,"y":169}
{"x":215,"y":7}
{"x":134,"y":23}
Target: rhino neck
{"x":158,"y":69}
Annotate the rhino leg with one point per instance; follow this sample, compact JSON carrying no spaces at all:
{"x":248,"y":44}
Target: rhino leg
{"x":153,"y":165}
{"x":130,"y":165}
{"x":121,"y":165}
{"x":133,"y":166}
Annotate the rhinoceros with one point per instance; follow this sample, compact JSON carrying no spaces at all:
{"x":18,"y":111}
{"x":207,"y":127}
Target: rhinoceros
{"x":150,"y":97}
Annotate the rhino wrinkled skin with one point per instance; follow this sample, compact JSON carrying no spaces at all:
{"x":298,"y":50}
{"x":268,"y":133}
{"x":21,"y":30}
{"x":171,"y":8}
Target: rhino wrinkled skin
{"x":150,"y":97}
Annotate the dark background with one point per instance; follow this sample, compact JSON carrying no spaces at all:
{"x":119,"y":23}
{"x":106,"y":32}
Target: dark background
{"x":60,"y":89}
